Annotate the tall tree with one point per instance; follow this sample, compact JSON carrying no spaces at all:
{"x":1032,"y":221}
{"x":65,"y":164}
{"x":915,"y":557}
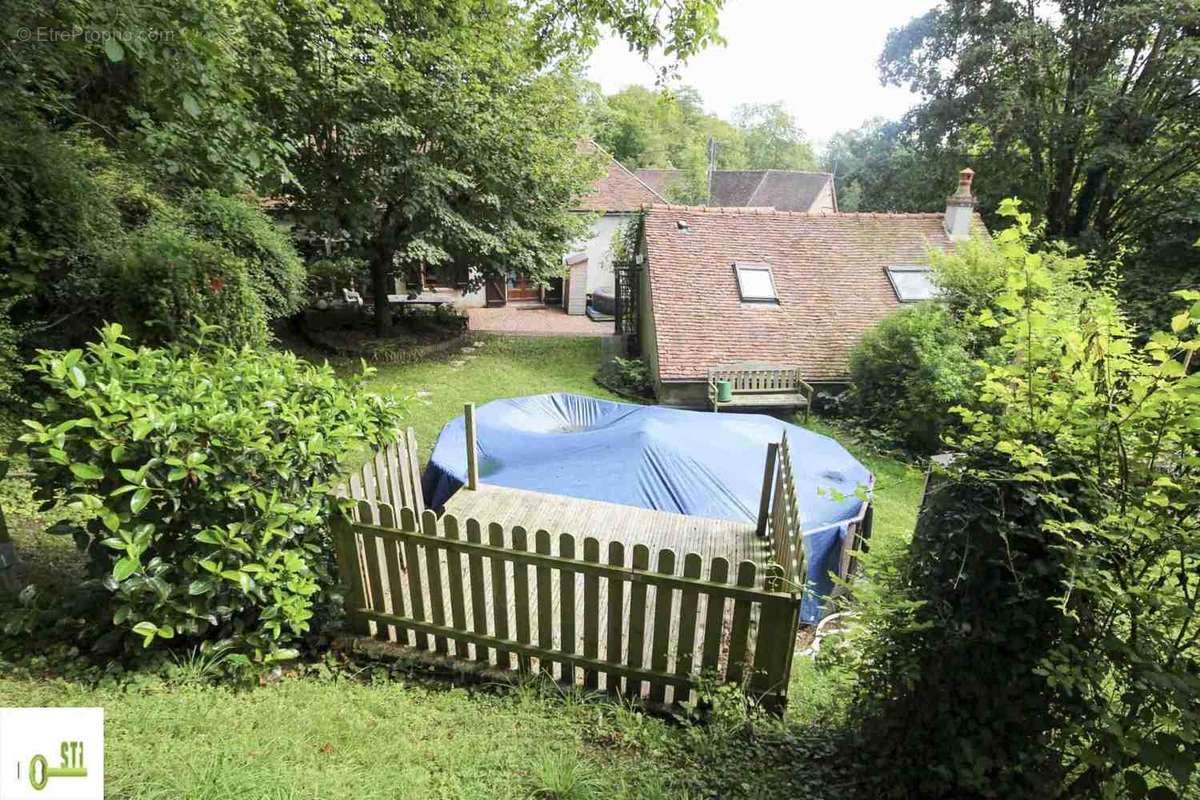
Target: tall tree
{"x":1089,"y":110}
{"x":882,"y":167}
{"x":773,"y":139}
{"x":444,"y":133}
{"x":428,"y":139}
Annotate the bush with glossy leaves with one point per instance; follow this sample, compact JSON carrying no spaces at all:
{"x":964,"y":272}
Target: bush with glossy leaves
{"x":199,"y":480}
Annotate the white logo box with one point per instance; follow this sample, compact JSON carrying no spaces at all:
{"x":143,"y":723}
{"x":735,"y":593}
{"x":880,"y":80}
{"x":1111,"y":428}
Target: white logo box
{"x":51,"y":753}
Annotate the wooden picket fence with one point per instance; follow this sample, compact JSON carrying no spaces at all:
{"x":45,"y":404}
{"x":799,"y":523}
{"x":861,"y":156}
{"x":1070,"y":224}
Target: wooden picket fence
{"x":531,"y":601}
{"x":555,"y":606}
{"x":779,"y":521}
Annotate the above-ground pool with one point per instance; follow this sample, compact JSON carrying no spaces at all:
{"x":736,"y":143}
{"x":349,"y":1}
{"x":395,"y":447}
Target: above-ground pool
{"x":687,"y":462}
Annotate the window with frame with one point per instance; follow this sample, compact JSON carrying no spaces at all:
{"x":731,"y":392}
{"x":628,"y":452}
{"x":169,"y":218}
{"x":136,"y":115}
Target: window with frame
{"x":756,"y":284}
{"x":912,"y":284}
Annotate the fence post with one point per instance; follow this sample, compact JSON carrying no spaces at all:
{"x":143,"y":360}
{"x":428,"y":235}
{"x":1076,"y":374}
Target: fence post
{"x":764,"y":503}
{"x":774,"y":647}
{"x":349,"y":571}
{"x":472,"y":447}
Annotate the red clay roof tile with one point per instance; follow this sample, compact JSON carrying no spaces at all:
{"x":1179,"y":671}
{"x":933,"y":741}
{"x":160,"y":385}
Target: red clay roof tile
{"x":618,"y":190}
{"x":829,"y":270}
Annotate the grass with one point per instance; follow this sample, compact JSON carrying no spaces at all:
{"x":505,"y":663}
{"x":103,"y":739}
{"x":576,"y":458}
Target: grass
{"x":501,"y":367}
{"x":172,"y":734}
{"x":332,"y":739}
{"x":495,"y":367}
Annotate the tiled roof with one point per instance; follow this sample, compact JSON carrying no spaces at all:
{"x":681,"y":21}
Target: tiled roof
{"x":618,"y":190}
{"x":785,"y":190}
{"x":829,"y":271}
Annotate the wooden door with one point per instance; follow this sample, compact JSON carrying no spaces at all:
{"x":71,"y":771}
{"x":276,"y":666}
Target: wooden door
{"x":494,"y":292}
{"x":519,"y":287}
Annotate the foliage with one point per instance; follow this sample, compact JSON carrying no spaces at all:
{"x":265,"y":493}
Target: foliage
{"x":1042,"y":636}
{"x":200,"y":480}
{"x":1090,"y":107}
{"x":85,"y":237}
{"x":666,"y":129}
{"x":773,"y":140}
{"x":563,"y":776}
{"x":669,"y":129}
{"x":454,"y":149}
{"x":626,"y":376}
{"x":215,"y":258}
{"x":970,"y":276}
{"x":908,"y":372}
{"x":882,"y":166}
{"x":168,"y":279}
{"x":679,"y":29}
{"x":9,"y":360}
{"x":271,"y":263}
{"x":167,"y":84}
{"x":59,"y":222}
{"x":1088,"y":112}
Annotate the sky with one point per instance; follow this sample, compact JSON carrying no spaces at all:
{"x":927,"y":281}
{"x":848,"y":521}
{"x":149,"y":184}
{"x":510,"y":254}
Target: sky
{"x":819,"y":58}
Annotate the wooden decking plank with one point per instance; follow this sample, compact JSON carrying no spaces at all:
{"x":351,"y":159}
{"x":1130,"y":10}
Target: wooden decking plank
{"x":607,"y":523}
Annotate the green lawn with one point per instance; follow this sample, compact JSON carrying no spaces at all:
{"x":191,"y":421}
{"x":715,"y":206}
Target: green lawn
{"x":512,"y":366}
{"x":367,"y":735}
{"x":495,"y":367}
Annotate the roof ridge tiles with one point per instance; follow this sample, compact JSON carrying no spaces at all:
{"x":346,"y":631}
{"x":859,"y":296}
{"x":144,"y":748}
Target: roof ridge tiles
{"x":772,"y":211}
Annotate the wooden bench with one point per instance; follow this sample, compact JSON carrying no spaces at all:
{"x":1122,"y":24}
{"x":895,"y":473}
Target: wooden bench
{"x":760,"y":387}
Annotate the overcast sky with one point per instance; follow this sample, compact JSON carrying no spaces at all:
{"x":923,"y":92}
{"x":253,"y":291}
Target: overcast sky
{"x":817,"y":57}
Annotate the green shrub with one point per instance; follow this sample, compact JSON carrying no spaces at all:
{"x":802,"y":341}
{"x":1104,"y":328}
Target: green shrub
{"x":968,"y":277}
{"x":168,"y":279}
{"x":908,"y":372}
{"x":199,"y":481}
{"x":275,"y":270}
{"x":214,"y":258}
{"x":1040,"y":638}
{"x":627,"y":376}
{"x":84,"y":238}
{"x":59,"y":225}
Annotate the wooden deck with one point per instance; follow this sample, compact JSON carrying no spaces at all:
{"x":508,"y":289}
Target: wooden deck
{"x":611,"y":522}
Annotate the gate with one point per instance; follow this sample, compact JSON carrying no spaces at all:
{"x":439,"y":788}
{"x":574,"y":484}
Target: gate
{"x":628,"y":278}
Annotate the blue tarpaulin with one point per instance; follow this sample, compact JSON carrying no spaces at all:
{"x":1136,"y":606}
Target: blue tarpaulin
{"x":686,"y":462}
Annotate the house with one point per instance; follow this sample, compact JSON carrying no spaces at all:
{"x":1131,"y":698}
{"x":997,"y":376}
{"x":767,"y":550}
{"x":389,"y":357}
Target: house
{"x":783,"y":190}
{"x":617,"y":198}
{"x":727,"y":286}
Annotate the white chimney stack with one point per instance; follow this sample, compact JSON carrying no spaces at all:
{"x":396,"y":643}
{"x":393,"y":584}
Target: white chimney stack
{"x":959,"y":208}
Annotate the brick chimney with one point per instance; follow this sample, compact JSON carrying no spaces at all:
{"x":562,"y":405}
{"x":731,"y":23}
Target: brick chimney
{"x":959,"y":208}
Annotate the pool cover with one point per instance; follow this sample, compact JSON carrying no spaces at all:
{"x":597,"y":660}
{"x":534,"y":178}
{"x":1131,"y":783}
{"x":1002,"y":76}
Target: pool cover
{"x":687,"y":462}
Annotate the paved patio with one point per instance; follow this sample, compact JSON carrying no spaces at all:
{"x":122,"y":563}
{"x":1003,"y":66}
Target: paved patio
{"x":535,"y":319}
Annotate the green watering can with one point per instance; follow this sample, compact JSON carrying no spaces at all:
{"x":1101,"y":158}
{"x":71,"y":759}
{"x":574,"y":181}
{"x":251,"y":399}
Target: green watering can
{"x":724,"y":391}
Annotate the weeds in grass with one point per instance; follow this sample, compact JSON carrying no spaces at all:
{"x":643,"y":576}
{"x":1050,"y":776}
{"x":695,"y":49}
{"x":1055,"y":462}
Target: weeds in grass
{"x":565,"y":776}
{"x":200,"y":665}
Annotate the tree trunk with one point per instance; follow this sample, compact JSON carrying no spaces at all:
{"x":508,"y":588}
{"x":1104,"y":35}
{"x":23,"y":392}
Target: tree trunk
{"x":381,"y":269}
{"x":383,"y":256}
{"x":1093,"y":186}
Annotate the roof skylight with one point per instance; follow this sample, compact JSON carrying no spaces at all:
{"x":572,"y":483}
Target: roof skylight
{"x":912,"y":284}
{"x":755,"y":283}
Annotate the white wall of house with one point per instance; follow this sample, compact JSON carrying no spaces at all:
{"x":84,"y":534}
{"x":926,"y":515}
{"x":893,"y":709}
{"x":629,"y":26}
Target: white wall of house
{"x":576,"y":288}
{"x":599,"y":266}
{"x":599,"y":250}
{"x":475,"y":299}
